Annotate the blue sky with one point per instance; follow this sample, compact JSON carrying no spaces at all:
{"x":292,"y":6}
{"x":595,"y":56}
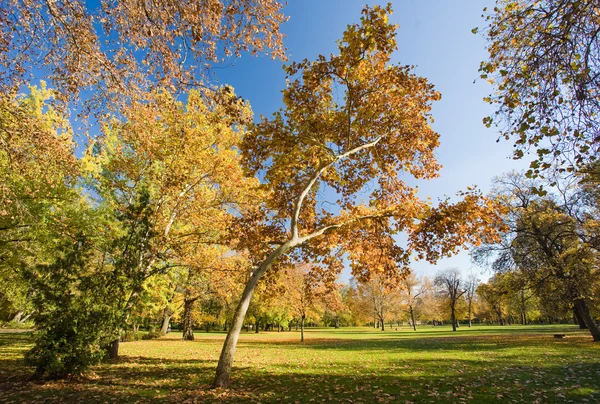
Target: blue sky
{"x":435,"y":36}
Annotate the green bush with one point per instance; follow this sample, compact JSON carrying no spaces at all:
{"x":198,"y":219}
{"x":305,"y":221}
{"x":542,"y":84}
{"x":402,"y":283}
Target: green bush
{"x":75,"y":315}
{"x":129,"y":335}
{"x":151,"y":335}
{"x":17,"y":325}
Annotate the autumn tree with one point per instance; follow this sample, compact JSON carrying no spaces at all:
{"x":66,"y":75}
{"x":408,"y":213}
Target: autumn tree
{"x":413,"y":288}
{"x":350,"y":125}
{"x":381,"y":295}
{"x":471,"y":285}
{"x":304,"y":288}
{"x":117,"y":50}
{"x":451,"y":287}
{"x":544,"y":64}
{"x":546,"y":241}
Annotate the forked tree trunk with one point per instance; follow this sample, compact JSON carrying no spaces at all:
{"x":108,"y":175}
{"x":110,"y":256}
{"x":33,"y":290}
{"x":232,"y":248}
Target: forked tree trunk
{"x":223,"y":374}
{"x":382,"y":324}
{"x":584,"y":311}
{"x":17,"y":317}
{"x":412,"y":318}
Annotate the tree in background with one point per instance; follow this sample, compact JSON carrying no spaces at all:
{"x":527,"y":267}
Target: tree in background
{"x":547,"y":241}
{"x":471,"y":285}
{"x":451,"y":287}
{"x":544,"y":63}
{"x":413,"y":289}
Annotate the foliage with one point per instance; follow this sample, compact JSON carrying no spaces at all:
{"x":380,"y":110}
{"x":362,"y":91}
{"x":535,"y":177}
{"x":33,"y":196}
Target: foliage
{"x":72,"y":319}
{"x":151,"y":335}
{"x":119,"y":50}
{"x":544,"y":64}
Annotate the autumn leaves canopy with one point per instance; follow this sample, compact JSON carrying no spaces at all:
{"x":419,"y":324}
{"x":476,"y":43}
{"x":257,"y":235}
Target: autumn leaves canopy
{"x":169,"y":181}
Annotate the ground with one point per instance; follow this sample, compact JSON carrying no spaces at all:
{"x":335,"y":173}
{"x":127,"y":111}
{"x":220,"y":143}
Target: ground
{"x":511,"y":364}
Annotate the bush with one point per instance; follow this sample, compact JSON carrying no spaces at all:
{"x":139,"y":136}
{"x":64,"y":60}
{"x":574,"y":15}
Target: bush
{"x":17,"y":325}
{"x":129,"y":335}
{"x":75,"y":316}
{"x":151,"y":335}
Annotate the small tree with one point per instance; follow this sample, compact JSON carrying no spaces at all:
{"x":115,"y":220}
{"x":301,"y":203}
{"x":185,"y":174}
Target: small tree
{"x":450,"y":285}
{"x":413,"y":289}
{"x":470,"y":291}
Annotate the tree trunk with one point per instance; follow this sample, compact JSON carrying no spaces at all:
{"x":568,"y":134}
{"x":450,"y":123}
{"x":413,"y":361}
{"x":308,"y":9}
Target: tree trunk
{"x":469,"y":313}
{"x":412,"y":318}
{"x":579,"y":319}
{"x":382,"y":324}
{"x":302,"y":328}
{"x":17,"y":317}
{"x":188,"y":323}
{"x":223,"y":374}
{"x":337,"y":322}
{"x":166,"y":320}
{"x":207,"y":326}
{"x":584,"y":311}
{"x":256,"y":324}
{"x":113,"y":350}
{"x":453,"y":317}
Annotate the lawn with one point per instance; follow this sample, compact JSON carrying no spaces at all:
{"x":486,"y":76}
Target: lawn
{"x":512,"y":364}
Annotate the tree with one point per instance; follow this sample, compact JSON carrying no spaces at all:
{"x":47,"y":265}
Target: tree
{"x":360,"y":142}
{"x":546,"y":242}
{"x":494,"y":294}
{"x":382,"y":295}
{"x":119,"y":50}
{"x":470,"y":289}
{"x":304,"y":289}
{"x":413,"y":289}
{"x":187,"y":190}
{"x":544,"y":64}
{"x":450,"y":285}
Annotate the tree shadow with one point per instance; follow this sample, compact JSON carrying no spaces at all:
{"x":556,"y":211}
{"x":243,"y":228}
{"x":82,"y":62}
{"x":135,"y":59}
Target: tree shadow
{"x":470,"y":369}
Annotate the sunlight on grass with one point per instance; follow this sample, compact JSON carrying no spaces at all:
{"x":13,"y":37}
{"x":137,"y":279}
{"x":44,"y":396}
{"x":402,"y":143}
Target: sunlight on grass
{"x":478,"y":365}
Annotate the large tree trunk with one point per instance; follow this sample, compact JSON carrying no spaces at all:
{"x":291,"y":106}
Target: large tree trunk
{"x":382,"y":324}
{"x":302,"y":328}
{"x":579,"y":320}
{"x":166,"y":321}
{"x":584,"y":311}
{"x":453,"y":317}
{"x":337,"y":322}
{"x":113,"y":350}
{"x":188,"y":322}
{"x":223,"y":374}
{"x":412,"y":318}
{"x":256,"y":324}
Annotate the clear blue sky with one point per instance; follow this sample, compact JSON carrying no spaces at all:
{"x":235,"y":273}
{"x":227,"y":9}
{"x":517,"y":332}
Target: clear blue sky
{"x":435,"y":36}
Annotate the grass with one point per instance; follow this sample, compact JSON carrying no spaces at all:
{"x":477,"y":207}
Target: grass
{"x":520,"y":364}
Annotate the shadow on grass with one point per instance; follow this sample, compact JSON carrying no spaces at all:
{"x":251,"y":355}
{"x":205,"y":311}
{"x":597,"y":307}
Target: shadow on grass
{"x":411,"y":377}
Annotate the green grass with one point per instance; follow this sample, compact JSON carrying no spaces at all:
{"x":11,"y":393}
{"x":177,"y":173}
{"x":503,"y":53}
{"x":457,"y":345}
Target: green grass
{"x":359,"y":365}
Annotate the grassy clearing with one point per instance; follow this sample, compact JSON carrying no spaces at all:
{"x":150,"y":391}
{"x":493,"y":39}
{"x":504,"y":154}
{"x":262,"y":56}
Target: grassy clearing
{"x":359,"y":365}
